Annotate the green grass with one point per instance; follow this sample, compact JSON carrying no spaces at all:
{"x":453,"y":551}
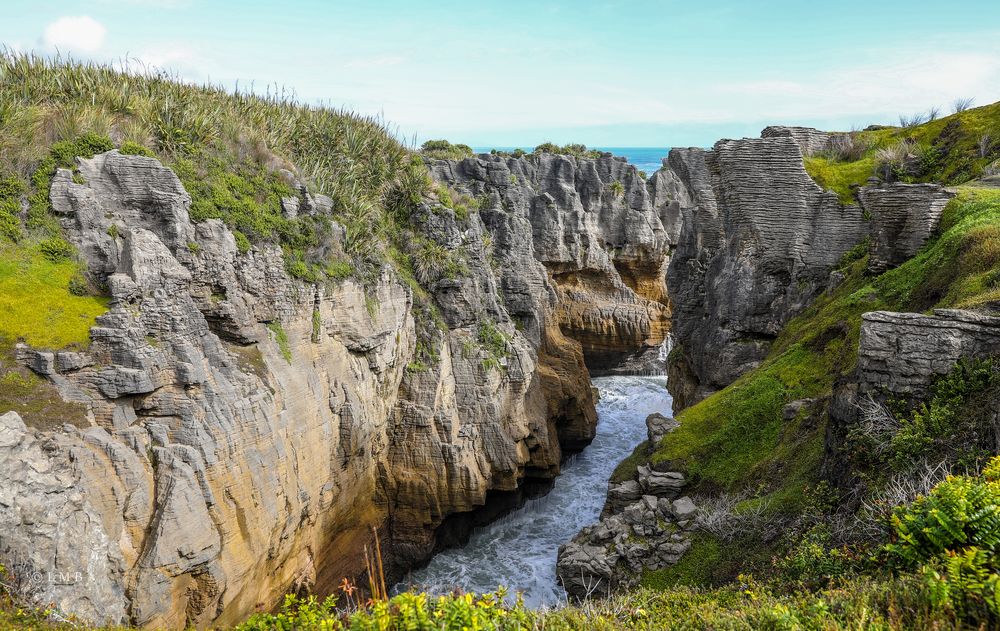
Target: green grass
{"x":626,"y":469}
{"x":38,"y":307}
{"x":839,"y":176}
{"x":281,"y":339}
{"x":947,"y":148}
{"x":36,"y":304}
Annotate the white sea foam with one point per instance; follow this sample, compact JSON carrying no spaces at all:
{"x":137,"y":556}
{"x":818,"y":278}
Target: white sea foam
{"x":518,"y":551}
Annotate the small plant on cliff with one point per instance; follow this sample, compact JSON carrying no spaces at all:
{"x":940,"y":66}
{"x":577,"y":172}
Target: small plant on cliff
{"x":281,"y":338}
{"x":494,"y":342}
{"x":617,"y":189}
{"x":960,"y":105}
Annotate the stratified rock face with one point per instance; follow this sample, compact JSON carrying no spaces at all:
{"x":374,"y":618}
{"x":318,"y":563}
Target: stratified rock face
{"x":899,"y":357}
{"x":757,"y":243}
{"x":900,"y":354}
{"x":602,"y":233}
{"x":227,"y":463}
{"x":903,"y":217}
{"x":810,"y":141}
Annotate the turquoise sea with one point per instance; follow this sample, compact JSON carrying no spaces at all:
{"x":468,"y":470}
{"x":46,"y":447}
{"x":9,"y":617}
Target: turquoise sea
{"x":646,"y":159}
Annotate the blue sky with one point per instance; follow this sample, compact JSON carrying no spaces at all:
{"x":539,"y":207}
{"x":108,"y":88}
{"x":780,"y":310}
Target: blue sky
{"x":506,"y":73}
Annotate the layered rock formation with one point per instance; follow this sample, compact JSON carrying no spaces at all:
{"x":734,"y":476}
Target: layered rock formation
{"x":903,"y":217}
{"x":602,"y":233}
{"x":645,"y":525}
{"x":758,"y":241}
{"x":901,"y":353}
{"x":246,"y":431}
{"x":757,"y":244}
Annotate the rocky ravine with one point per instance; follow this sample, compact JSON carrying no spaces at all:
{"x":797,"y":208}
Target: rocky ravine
{"x":605,"y":248}
{"x":219,"y":465}
{"x":758,"y":241}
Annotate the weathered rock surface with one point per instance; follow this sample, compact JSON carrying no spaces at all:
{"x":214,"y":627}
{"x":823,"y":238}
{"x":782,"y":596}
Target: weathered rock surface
{"x":658,"y":426}
{"x":602,"y":233}
{"x":903,"y":217}
{"x":648,"y":533}
{"x":757,"y":244}
{"x":217,"y":474}
{"x":901,"y":353}
{"x":759,"y":241}
{"x":810,"y":141}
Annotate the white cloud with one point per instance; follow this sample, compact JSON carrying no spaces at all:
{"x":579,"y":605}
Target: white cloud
{"x":75,"y":33}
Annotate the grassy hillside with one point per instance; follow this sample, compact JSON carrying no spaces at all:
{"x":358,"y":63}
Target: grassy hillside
{"x":793,"y":556}
{"x":950,"y":150}
{"x":237,"y":155}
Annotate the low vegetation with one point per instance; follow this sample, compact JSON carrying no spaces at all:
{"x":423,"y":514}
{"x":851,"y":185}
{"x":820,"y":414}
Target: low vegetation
{"x":232,"y":152}
{"x":924,"y":148}
{"x":575,"y":150}
{"x":444,"y":150}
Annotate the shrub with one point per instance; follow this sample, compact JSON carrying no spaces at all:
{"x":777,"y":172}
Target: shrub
{"x":960,"y":513}
{"x":908,"y":122}
{"x":131,"y":148}
{"x":444,"y":150}
{"x":56,"y":249}
{"x":946,"y":426}
{"x":814,"y":562}
{"x":575,"y":150}
{"x":890,"y":161}
{"x":339,"y":269}
{"x":242,"y":242}
{"x":10,"y":225}
{"x":967,"y":583}
{"x":960,"y":105}
{"x":848,"y":147}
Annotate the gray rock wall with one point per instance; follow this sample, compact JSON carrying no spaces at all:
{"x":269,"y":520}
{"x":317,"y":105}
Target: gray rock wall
{"x":900,"y":354}
{"x":757,"y":243}
{"x":903,"y":216}
{"x":215,"y":473}
{"x":602,"y":233}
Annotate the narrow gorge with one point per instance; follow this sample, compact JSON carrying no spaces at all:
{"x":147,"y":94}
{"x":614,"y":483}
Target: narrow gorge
{"x":239,"y":432}
{"x":550,"y":369}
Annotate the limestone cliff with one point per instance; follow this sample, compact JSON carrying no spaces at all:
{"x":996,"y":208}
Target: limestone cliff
{"x":602,"y":233}
{"x":758,"y":242}
{"x":246,"y":430}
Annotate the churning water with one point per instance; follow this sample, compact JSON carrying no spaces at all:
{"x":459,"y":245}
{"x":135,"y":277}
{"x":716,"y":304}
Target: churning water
{"x":519,"y":550}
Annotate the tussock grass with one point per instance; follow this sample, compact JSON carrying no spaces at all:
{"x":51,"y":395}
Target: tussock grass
{"x":924,"y":148}
{"x":196,"y":128}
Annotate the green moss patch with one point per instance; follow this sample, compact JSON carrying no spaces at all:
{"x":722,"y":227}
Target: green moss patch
{"x":37,"y":304}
